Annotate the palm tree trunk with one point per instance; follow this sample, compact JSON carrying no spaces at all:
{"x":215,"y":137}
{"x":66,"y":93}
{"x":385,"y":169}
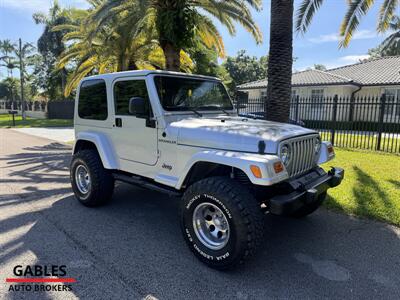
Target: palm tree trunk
{"x":21,"y":74}
{"x":172,"y":57}
{"x":280,"y":61}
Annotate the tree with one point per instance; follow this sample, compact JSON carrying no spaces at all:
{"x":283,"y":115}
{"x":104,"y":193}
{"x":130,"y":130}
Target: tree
{"x":243,"y":68}
{"x":355,"y":11}
{"x":205,"y":61}
{"x":7,"y":59}
{"x":179,"y":22}
{"x":109,"y":46}
{"x":50,"y":45}
{"x":25,"y":56}
{"x":9,"y":88}
{"x":391,"y":45}
{"x":280,"y":61}
{"x":320,"y":67}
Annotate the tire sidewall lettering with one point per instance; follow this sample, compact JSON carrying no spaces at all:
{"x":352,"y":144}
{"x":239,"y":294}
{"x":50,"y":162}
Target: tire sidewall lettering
{"x":202,"y":250}
{"x":229,"y":215}
{"x":207,"y":196}
{"x":202,"y":253}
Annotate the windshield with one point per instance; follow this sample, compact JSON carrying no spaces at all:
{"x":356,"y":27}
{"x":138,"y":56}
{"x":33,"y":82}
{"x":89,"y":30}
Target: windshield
{"x":180,"y":94}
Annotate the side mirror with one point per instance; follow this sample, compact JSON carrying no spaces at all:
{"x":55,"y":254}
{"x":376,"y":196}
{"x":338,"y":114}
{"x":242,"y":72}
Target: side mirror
{"x":137,"y":106}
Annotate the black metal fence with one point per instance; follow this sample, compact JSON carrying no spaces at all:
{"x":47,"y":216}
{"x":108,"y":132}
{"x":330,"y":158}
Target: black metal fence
{"x":371,"y":122}
{"x":61,"y":109}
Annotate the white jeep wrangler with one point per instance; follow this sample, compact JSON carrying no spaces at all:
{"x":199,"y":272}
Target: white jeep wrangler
{"x":180,"y":134}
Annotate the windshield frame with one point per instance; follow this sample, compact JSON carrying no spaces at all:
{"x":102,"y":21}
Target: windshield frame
{"x":212,"y":109}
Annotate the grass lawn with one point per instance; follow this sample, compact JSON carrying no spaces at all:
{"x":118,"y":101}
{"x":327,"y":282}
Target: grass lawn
{"x":6,"y":121}
{"x":371,"y":186}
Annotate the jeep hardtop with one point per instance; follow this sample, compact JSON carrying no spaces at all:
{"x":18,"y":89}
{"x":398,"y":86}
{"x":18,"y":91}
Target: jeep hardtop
{"x":180,"y":134}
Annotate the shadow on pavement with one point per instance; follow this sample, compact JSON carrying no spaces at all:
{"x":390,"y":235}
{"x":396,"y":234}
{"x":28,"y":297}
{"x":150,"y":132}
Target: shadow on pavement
{"x":38,"y":165}
{"x":134,"y":244}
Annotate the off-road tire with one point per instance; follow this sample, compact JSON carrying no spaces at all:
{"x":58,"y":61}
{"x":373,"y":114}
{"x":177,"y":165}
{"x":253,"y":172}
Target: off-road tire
{"x":102,"y":182}
{"x":242,"y":211}
{"x":309,"y":209}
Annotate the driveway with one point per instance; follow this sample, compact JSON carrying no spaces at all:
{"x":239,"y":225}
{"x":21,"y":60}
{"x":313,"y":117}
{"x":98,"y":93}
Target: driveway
{"x":59,"y":134}
{"x":133,"y":248}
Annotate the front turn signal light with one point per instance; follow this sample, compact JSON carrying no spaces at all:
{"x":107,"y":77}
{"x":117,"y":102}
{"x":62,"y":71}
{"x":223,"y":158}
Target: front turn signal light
{"x":278,"y":167}
{"x":256,"y":171}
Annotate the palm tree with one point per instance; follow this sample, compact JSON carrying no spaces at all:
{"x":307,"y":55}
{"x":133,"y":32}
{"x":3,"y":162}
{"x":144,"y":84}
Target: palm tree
{"x":280,"y":61}
{"x":391,"y":45}
{"x":7,"y":48}
{"x":355,"y":11}
{"x":25,"y":56}
{"x":179,"y":22}
{"x":114,"y":45}
{"x":50,"y":43}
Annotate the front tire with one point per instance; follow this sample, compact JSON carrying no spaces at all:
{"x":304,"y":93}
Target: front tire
{"x":92,"y":184}
{"x":222,"y":222}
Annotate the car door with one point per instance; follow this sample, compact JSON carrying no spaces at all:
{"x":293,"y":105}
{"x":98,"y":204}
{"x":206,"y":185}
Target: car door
{"x":134,"y":136}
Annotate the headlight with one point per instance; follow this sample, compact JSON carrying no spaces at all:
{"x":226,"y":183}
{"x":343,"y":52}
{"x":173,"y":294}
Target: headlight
{"x":285,"y":154}
{"x":317,"y":145}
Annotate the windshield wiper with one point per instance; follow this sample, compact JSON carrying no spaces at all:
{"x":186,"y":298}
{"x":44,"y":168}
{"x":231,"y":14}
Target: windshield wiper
{"x":195,"y":111}
{"x":215,"y":107}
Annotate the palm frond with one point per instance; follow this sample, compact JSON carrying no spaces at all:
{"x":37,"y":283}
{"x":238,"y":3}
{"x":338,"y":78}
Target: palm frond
{"x":210,"y":36}
{"x":356,"y":10}
{"x":305,"y":14}
{"x":390,"y":41}
{"x":228,"y":11}
{"x":65,"y":27}
{"x":386,"y":13}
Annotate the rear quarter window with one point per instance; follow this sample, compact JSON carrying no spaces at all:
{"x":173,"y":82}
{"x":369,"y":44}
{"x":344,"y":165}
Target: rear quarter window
{"x":93,"y":100}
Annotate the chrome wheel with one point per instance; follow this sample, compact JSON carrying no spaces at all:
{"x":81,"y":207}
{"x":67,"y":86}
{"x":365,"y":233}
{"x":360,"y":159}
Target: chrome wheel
{"x":82,"y":179}
{"x":211,"y":226}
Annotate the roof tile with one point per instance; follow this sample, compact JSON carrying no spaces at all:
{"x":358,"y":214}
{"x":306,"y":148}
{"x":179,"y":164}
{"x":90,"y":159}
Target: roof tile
{"x":378,"y":71}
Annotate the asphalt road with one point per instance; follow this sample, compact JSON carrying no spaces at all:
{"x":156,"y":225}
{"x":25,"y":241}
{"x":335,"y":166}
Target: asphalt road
{"x":133,"y":248}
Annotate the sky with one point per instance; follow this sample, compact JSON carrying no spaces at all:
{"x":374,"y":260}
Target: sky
{"x":318,"y":46}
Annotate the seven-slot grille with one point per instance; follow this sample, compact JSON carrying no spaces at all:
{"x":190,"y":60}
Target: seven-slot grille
{"x":302,"y":154}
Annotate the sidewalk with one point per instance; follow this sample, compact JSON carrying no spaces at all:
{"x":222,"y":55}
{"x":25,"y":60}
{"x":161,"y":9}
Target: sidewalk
{"x":59,"y":134}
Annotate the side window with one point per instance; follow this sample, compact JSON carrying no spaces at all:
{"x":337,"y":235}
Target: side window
{"x":125,"y":90}
{"x":93,"y":100}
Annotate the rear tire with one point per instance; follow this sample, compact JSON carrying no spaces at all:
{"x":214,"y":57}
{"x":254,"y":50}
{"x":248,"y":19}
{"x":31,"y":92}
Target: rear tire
{"x":92,"y":184}
{"x":309,"y":209}
{"x":222,"y":222}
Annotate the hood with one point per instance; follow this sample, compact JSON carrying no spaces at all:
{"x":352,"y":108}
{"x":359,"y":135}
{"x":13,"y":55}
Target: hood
{"x":234,"y":133}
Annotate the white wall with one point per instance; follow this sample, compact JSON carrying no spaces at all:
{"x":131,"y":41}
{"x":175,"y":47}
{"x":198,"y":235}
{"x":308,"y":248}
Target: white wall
{"x":329,"y":91}
{"x":253,"y":93}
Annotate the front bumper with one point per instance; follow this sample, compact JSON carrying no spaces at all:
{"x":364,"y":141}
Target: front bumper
{"x":305,"y":190}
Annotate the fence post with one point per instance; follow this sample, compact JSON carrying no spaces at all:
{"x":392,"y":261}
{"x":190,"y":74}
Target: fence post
{"x":297,"y":108}
{"x":380,"y":124}
{"x":334,"y":115}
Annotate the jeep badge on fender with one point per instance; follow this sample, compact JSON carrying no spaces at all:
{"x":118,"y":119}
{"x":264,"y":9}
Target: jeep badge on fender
{"x":223,"y":166}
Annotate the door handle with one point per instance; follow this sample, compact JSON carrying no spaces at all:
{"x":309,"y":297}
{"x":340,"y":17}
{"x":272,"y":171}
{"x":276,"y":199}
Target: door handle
{"x":118,"y":122}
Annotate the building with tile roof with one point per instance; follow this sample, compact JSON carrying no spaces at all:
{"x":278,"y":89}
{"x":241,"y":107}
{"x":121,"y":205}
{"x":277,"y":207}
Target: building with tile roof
{"x":368,"y":78}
